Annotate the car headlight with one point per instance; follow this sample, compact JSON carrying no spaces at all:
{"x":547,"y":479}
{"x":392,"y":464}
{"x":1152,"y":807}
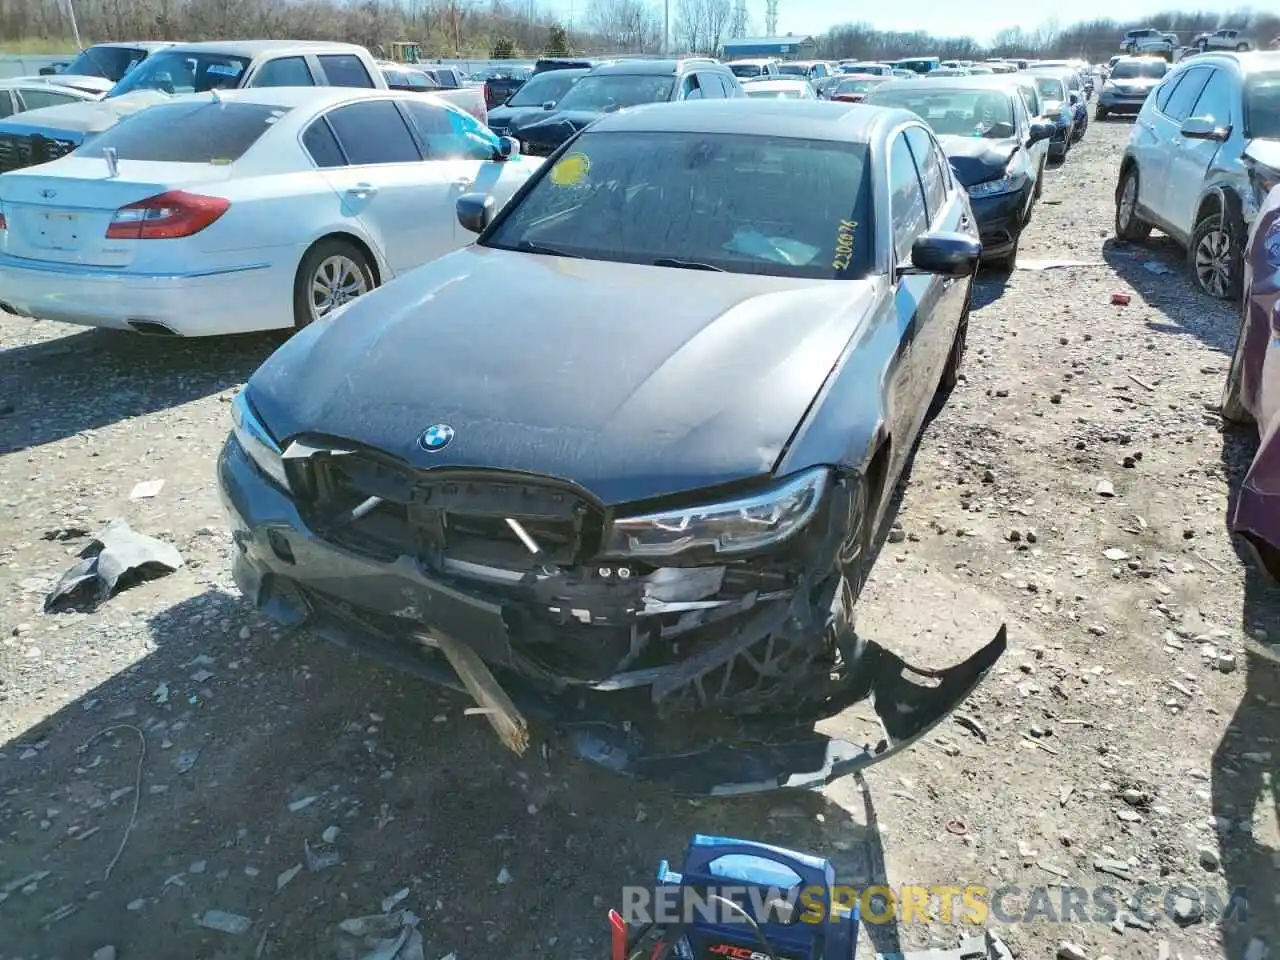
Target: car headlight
{"x":256,"y":442}
{"x":733,"y":526}
{"x":1006,"y":184}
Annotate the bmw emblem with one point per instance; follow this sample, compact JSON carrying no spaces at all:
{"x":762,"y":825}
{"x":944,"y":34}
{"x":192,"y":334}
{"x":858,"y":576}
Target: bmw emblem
{"x":436,"y":437}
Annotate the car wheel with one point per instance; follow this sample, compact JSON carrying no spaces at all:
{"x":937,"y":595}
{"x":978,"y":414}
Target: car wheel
{"x":1006,"y":263}
{"x":1101,"y":114}
{"x":1130,"y":227}
{"x":1233,"y":409}
{"x":1241,"y":47}
{"x":1040,"y":176}
{"x":332,"y":273}
{"x":1216,"y":258}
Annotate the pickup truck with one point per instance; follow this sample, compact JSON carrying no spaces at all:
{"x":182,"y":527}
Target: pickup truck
{"x":1222,"y":40}
{"x":100,"y":67}
{"x":414,"y":76}
{"x":40,"y":135}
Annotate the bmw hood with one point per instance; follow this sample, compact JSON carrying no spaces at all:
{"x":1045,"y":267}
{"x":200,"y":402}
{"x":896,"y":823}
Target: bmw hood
{"x":513,"y":119}
{"x":557,"y":127}
{"x":977,"y":159}
{"x":631,"y":381}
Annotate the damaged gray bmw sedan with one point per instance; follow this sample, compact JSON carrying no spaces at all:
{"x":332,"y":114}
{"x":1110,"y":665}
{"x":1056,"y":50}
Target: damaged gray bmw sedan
{"x":619,"y":466}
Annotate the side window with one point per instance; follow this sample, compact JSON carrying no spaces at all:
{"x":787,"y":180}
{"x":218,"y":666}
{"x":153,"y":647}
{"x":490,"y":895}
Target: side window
{"x":449,"y":135}
{"x":925,"y":154}
{"x":284,"y":72}
{"x":907,"y":206}
{"x":35,"y":99}
{"x":373,"y":132}
{"x":344,"y":70}
{"x":731,"y":86}
{"x":1178,"y":107}
{"x":1165,"y":91}
{"x":690,"y":90}
{"x":710,"y":86}
{"x":320,"y":142}
{"x":1216,"y":99}
{"x":6,"y":103}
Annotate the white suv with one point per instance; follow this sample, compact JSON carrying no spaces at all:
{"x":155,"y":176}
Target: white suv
{"x":1182,"y":171}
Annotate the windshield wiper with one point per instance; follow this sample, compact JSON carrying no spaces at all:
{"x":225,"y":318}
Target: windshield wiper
{"x":686,"y":264}
{"x":528,"y":246}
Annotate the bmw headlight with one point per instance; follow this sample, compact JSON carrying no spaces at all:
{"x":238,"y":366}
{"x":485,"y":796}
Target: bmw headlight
{"x":733,"y":526}
{"x":256,"y":442}
{"x":1006,"y":184}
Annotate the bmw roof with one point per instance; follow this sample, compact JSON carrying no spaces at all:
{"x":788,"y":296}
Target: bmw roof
{"x":803,"y":119}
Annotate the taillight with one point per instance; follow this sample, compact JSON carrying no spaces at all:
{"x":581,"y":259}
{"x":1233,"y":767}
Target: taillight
{"x":166,"y":216}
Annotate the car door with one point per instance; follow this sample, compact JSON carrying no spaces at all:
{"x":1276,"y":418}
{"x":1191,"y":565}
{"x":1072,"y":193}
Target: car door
{"x":710,"y":86}
{"x":946,"y":213}
{"x":459,"y":152}
{"x":1189,"y":160}
{"x":915,"y":300}
{"x":34,"y":98}
{"x":1157,"y":171}
{"x":405,"y":205}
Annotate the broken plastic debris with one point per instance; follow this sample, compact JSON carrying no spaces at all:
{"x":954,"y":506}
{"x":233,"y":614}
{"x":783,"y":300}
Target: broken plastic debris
{"x":146,"y":489}
{"x":390,"y":903}
{"x":322,"y":860}
{"x":200,"y":676}
{"x":117,"y":557}
{"x":283,"y":878}
{"x":302,"y":804}
{"x":407,"y":946}
{"x":220,"y":920}
{"x":161,"y":693}
{"x":186,"y":759}
{"x":374,"y":925}
{"x":504,"y":877}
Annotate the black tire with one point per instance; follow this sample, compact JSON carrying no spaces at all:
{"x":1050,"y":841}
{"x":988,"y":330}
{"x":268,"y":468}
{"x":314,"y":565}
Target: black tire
{"x":1130,"y":228}
{"x":1232,"y":409}
{"x":1242,"y":47}
{"x":1218,"y":240}
{"x":1006,"y":262}
{"x":1101,"y":114}
{"x":330,"y":251}
{"x":1044,"y":164}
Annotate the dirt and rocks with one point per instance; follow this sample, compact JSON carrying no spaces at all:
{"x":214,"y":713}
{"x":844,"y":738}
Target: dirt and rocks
{"x":1075,"y":488}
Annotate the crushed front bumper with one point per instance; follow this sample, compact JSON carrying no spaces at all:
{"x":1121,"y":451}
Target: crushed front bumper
{"x":1000,"y":220}
{"x":381,"y":609}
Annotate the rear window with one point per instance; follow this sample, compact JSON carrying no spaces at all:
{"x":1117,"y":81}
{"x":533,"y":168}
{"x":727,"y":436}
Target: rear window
{"x":204,"y":132}
{"x":344,"y":70}
{"x":1262,"y":105}
{"x":1135,"y":69}
{"x":746,"y":70}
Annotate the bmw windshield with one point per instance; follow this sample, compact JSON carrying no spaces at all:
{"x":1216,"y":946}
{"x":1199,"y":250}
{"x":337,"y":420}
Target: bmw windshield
{"x":1262,"y":105}
{"x":723,"y":202}
{"x":614,"y":91}
{"x":1051,"y":89}
{"x":548,"y":86}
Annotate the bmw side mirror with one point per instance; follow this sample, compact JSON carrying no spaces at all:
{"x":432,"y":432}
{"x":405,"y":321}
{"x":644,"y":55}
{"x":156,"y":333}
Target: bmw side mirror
{"x":1040,"y":130}
{"x":475,"y":211}
{"x":508,"y":148}
{"x":950,"y":255}
{"x":1203,"y":128}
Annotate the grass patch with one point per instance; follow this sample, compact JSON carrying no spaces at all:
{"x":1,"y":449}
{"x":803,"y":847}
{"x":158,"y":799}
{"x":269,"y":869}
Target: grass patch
{"x":54,"y":47}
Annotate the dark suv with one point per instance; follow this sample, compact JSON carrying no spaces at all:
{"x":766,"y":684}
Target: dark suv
{"x":627,"y":83}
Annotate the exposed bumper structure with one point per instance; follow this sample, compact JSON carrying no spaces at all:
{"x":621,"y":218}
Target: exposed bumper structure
{"x":585,"y":674}
{"x":1000,"y":219}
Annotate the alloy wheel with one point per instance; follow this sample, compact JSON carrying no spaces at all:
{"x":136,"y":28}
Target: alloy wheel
{"x":1128,"y":201}
{"x":337,"y":280}
{"x":1213,"y":262}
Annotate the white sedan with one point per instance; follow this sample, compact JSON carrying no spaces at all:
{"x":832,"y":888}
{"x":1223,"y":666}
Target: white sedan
{"x":235,"y":211}
{"x":780,"y":89}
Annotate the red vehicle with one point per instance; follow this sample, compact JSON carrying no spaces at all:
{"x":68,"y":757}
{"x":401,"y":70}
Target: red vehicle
{"x":854,"y":87}
{"x":1252,"y":392}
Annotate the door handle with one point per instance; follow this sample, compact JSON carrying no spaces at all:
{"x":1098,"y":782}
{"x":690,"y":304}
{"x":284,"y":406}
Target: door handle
{"x":462,"y":183}
{"x":362,"y":190}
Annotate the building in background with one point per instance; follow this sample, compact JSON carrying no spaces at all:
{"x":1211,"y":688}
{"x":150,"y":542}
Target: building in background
{"x":790,"y":47}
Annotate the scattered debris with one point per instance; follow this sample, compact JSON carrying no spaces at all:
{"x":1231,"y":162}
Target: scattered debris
{"x":286,"y":876}
{"x":224,"y":922}
{"x":116,"y":558}
{"x":1142,"y":383}
{"x":137,"y":785}
{"x":302,"y":804}
{"x":1106,"y":488}
{"x":1158,"y":268}
{"x":1120,"y":299}
{"x":146,"y":489}
{"x":1041,"y":265}
{"x":186,"y":759}
{"x":391,"y":902}
{"x":1070,"y":951}
{"x":321,"y":860}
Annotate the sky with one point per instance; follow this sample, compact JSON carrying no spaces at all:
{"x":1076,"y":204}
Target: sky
{"x":980,"y":20}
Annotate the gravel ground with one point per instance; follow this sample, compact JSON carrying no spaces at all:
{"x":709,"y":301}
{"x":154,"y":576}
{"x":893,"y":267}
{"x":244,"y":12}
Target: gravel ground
{"x":1076,"y":488}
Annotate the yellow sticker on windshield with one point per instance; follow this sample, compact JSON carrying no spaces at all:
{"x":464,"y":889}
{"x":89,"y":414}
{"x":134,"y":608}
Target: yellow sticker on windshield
{"x":844,"y":244}
{"x":571,"y":170}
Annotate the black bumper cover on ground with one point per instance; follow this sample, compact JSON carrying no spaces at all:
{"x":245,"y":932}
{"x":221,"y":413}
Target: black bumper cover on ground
{"x":273,"y":545}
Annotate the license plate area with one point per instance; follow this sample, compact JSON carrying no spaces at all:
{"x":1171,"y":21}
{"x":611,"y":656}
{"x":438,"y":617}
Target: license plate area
{"x":58,"y":230}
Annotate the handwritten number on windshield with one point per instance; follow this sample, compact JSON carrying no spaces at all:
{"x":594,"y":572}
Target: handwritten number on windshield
{"x":844,"y":245}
